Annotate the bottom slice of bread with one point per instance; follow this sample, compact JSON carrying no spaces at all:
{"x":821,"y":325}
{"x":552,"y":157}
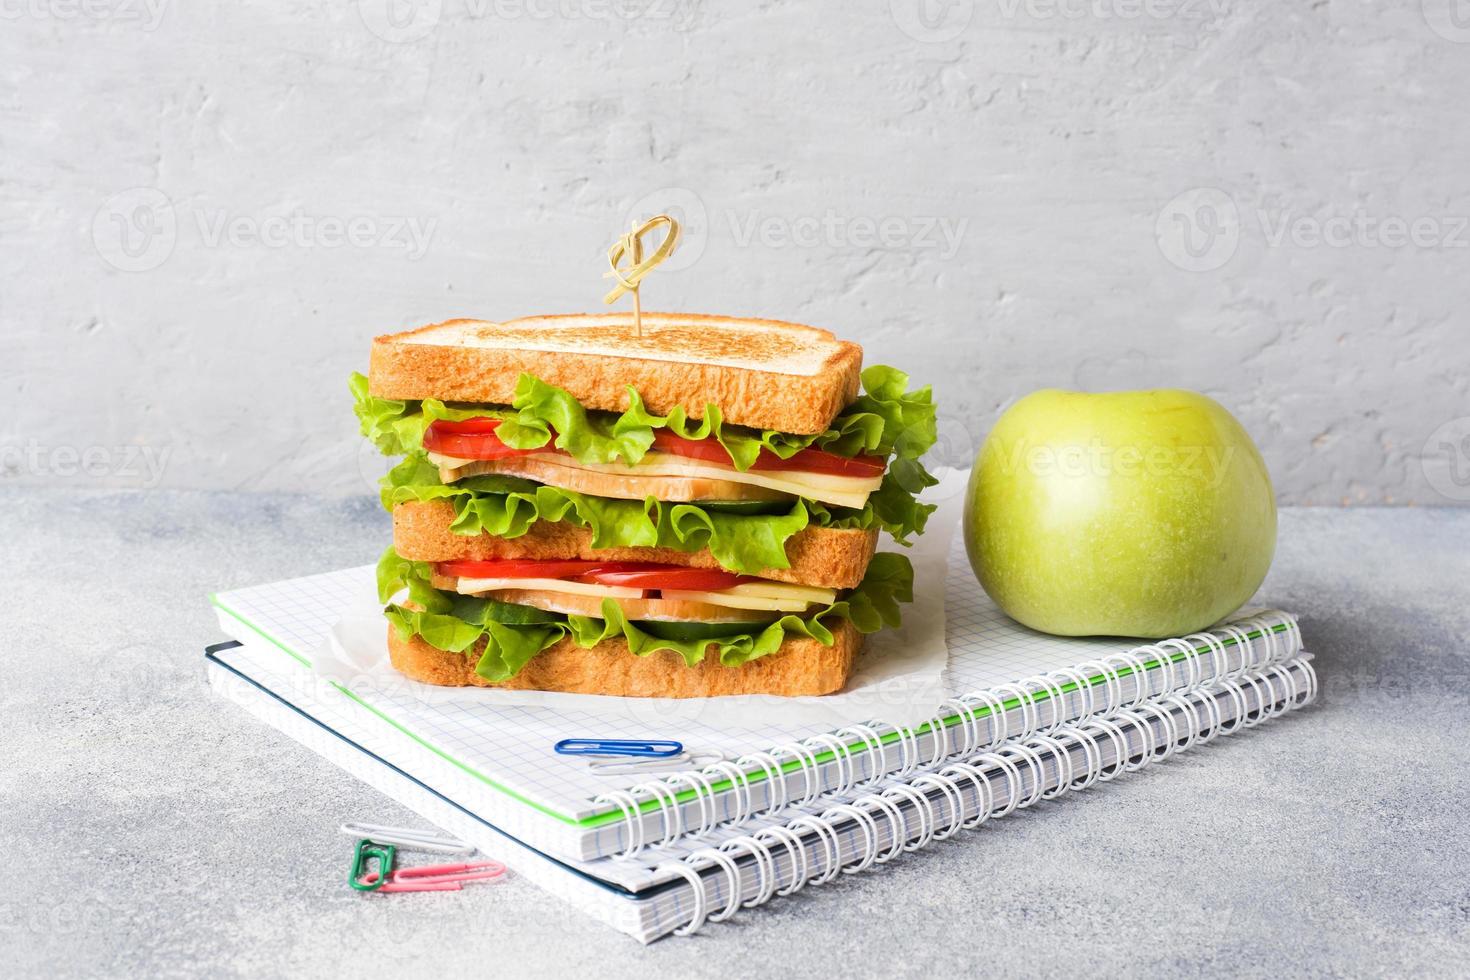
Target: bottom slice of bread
{"x":802,"y":666}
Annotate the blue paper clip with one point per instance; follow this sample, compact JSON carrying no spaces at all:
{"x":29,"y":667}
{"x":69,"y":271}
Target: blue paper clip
{"x":648,"y":749}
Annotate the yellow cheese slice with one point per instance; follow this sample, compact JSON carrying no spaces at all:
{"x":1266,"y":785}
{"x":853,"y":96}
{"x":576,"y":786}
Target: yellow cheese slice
{"x":757,"y":596}
{"x":659,"y":610}
{"x":781,"y":590}
{"x":765,"y":603}
{"x":474,"y":586}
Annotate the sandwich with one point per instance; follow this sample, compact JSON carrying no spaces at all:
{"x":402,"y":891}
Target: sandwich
{"x":685,"y":509}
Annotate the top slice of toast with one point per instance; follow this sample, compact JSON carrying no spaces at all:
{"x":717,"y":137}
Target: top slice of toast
{"x":766,"y":374}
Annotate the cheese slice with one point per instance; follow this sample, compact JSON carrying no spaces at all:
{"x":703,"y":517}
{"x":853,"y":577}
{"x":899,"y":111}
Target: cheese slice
{"x":764,"y":603}
{"x":475,"y":586}
{"x":782,"y":590}
{"x":659,"y":610}
{"x":665,"y":476}
{"x":582,"y":598}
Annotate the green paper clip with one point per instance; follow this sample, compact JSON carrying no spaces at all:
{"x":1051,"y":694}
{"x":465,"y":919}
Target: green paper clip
{"x":366,"y":851}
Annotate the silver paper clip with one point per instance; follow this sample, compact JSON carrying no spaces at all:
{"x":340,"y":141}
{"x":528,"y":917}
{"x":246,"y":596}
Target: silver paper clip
{"x":684,"y":760}
{"x":406,"y":837}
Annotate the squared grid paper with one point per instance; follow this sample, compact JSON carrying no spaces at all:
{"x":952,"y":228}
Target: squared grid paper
{"x":280,"y":692}
{"x":503,"y":752}
{"x":347,"y":736}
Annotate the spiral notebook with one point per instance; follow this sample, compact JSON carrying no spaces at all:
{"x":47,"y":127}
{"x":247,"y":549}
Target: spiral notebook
{"x":1004,"y":680}
{"x":713,"y":871}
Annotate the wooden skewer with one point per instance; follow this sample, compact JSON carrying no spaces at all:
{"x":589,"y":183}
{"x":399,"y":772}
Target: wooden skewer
{"x":631,"y":278}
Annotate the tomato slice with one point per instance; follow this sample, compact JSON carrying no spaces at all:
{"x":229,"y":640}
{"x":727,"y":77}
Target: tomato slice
{"x":471,"y":439}
{"x":707,"y":450}
{"x":517,"y":568}
{"x":629,"y":574}
{"x":639,"y":575}
{"x":476,"y":439}
{"x":805,"y":461}
{"x":821,"y":461}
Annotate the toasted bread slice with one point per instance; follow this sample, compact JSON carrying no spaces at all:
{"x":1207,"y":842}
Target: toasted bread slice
{"x":827,"y":557}
{"x":766,"y":374}
{"x":802,"y":666}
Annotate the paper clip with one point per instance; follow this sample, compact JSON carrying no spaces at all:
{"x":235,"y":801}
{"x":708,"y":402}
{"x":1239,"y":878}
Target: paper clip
{"x":433,"y":878}
{"x":369,"y":881}
{"x":408,"y":838}
{"x":624,"y":767}
{"x":615,"y":747}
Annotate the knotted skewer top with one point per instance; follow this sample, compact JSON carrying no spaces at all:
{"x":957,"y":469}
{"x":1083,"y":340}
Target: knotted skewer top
{"x":630,"y":247}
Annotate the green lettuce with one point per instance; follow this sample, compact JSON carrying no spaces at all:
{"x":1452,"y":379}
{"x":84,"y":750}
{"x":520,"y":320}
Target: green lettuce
{"x":397,"y":427}
{"x":456,"y":622}
{"x":506,"y":507}
{"x":542,"y":409}
{"x":891,"y":507}
{"x":886,"y":420}
{"x":514,"y":634}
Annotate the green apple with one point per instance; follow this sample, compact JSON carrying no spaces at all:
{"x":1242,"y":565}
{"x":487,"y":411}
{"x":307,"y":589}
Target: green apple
{"x":1131,"y":513}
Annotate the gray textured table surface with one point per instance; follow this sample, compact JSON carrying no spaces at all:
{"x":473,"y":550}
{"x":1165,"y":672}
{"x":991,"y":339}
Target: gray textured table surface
{"x":154,"y":829}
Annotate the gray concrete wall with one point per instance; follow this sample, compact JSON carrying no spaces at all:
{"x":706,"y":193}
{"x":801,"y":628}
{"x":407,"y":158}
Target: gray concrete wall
{"x":206,"y":210}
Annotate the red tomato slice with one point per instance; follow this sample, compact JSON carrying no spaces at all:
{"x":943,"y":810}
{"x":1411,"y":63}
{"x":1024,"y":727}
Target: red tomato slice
{"x":638,"y":575}
{"x":476,"y":439}
{"x":805,"y":461}
{"x":471,"y":439}
{"x":707,"y":450}
{"x":517,"y":568}
{"x":821,"y":461}
{"x":629,"y":574}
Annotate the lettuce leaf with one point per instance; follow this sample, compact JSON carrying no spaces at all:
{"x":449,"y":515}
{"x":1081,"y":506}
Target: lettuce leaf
{"x":397,"y":427}
{"x":507,"y":648}
{"x":507,"y":507}
{"x":456,"y":623}
{"x":886,"y":420}
{"x":599,"y":438}
{"x":514,"y":634}
{"x":892,"y":507}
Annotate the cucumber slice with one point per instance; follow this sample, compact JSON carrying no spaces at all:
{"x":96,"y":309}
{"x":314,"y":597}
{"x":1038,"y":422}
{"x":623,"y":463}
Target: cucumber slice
{"x":495,"y":483}
{"x":684,"y":632}
{"x":742,"y":506}
{"x":479,"y":611}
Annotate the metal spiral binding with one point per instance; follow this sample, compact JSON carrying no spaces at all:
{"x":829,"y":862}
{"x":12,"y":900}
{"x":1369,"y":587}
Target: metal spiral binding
{"x":784,"y":861}
{"x":858,"y":751}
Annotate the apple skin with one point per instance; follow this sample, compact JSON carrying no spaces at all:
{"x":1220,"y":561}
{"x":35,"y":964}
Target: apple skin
{"x":1136,"y":513}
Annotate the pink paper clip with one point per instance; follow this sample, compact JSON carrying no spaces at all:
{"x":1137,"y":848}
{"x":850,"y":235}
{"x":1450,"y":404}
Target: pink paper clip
{"x":436,"y":877}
